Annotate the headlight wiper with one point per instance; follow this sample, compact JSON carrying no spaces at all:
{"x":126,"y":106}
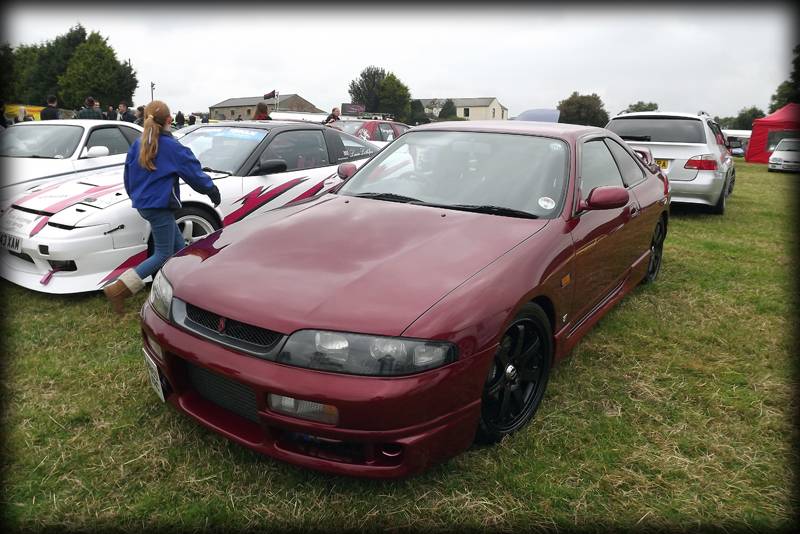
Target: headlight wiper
{"x":388,"y":196}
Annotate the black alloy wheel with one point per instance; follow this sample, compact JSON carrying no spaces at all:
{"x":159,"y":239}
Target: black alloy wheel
{"x":656,"y":252}
{"x":518,"y":375}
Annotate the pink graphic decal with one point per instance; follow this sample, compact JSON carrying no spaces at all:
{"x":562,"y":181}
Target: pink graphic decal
{"x":67,"y":202}
{"x":203,"y":249}
{"x":257,"y":198}
{"x":133,"y":261}
{"x":310,"y":192}
{"x":35,"y":194}
{"x":39,"y":225}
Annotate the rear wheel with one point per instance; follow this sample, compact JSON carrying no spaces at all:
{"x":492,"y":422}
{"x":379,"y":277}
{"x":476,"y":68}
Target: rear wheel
{"x":656,"y":252}
{"x":517,"y":376}
{"x":719,"y":207}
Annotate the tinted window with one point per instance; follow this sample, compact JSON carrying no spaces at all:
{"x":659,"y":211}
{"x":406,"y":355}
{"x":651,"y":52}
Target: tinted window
{"x":111,"y":138}
{"x":659,"y":130}
{"x":789,"y":145}
{"x":300,"y":149}
{"x":347,"y":148}
{"x":387,"y":133}
{"x":400,"y":128}
{"x":131,"y":134}
{"x":718,"y":137}
{"x":519,"y":172}
{"x":597,"y":168}
{"x":631,"y":172}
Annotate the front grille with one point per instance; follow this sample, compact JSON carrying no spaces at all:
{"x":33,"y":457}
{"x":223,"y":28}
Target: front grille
{"x":254,"y":335}
{"x":224,"y":392}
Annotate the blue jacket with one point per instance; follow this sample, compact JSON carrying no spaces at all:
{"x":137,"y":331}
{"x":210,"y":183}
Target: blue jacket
{"x":160,"y":188}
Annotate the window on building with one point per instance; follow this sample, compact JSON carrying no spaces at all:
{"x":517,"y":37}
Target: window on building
{"x":493,"y":112}
{"x":466,"y":112}
{"x":248,"y":112}
{"x":231,"y":113}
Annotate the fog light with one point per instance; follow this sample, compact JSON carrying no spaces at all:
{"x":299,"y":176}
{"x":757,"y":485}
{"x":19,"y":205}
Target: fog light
{"x":155,"y":347}
{"x":303,"y":409}
{"x":44,"y":250}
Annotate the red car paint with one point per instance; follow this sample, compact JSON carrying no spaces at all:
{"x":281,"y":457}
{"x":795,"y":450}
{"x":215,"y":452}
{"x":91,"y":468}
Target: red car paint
{"x":363,"y":265}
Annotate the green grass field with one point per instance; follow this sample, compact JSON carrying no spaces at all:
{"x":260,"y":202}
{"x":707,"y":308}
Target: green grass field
{"x":673,"y":413}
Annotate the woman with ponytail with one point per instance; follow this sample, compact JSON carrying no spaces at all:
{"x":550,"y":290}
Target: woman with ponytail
{"x":155,"y":163}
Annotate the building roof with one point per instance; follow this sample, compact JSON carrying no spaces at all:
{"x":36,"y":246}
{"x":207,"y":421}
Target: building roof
{"x":249,"y":101}
{"x":480,"y":102}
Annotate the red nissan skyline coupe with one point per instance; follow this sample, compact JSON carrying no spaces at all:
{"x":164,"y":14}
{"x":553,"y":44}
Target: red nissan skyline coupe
{"x":384,"y":326}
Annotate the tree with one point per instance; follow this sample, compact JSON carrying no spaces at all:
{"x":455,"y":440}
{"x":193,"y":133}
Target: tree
{"x":448,"y":110}
{"x":6,"y":72}
{"x":394,"y":98}
{"x":417,"y":115}
{"x":642,"y":106}
{"x":744,"y":120}
{"x":583,"y":109}
{"x":365,"y":89}
{"x":94,"y":70}
{"x":789,"y":90}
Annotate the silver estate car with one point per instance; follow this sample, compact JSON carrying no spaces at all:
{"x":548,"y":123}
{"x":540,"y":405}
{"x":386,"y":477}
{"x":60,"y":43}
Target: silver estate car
{"x":690,"y":149}
{"x":786,"y":156}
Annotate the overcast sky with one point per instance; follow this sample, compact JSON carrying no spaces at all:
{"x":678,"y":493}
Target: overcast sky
{"x":687,"y":57}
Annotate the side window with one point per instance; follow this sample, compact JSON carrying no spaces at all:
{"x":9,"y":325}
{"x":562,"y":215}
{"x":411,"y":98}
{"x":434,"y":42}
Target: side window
{"x":300,"y":149}
{"x":347,"y":148}
{"x":597,"y":168}
{"x":631,"y":172}
{"x":387,"y":134}
{"x":111,"y":138}
{"x":720,"y":139}
{"x":130,"y":134}
{"x":399,"y":129}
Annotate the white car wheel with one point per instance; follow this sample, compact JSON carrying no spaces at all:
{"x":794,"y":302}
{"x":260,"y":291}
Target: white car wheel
{"x":195,"y":223}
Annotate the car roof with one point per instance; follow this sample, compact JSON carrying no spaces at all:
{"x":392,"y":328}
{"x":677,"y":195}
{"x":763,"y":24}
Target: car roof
{"x":660,"y":114}
{"x":545,"y":129}
{"x":265,"y":125}
{"x":74,"y":122}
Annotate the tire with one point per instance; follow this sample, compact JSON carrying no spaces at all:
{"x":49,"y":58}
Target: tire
{"x":518,"y":375}
{"x":195,"y":222}
{"x":719,"y":207}
{"x":731,"y":183}
{"x":656,"y":252}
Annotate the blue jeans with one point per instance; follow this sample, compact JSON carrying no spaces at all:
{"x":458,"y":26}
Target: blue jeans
{"x":167,"y":239}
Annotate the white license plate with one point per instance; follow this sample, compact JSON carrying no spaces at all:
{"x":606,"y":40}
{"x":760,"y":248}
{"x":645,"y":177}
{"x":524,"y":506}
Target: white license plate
{"x":155,"y":376}
{"x":11,"y":242}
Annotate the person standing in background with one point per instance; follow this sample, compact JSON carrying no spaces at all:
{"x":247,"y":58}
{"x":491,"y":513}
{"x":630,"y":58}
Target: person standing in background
{"x":50,"y":112}
{"x":125,"y":114}
{"x":139,"y":116}
{"x":262,"y":112}
{"x":111,"y":114}
{"x":192,"y":120}
{"x":90,"y":111}
{"x":333,"y":117}
{"x":179,"y":119}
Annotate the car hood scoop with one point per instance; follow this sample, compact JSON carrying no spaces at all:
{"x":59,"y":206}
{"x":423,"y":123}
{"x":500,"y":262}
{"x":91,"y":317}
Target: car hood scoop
{"x":341,"y":263}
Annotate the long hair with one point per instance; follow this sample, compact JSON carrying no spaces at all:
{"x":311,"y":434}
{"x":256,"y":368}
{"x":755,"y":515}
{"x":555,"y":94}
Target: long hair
{"x":156,"y":114}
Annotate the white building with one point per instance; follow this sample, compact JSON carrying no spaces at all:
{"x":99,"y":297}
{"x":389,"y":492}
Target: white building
{"x":474,"y":109}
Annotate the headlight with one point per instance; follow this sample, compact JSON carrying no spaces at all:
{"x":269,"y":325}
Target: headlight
{"x":776,"y":160}
{"x":360,"y":354}
{"x":161,"y":295}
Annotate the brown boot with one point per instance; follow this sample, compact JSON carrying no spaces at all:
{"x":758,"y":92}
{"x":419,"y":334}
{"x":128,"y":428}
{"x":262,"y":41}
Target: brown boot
{"x":123,"y":287}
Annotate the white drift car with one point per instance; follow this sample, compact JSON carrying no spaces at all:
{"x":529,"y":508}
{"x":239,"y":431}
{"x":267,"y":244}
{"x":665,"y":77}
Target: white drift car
{"x":76,"y":236}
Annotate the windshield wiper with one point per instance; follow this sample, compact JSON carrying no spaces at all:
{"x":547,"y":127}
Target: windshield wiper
{"x":635,"y":137}
{"x":209,"y":169}
{"x":387,"y":196}
{"x":492,"y":210}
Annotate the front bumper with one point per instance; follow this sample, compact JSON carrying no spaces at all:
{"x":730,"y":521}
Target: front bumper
{"x":785,"y":166}
{"x":388,"y":427}
{"x":705,"y":188}
{"x":67,"y":261}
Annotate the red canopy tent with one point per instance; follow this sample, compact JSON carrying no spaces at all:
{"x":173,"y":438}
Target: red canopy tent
{"x":768,"y":130}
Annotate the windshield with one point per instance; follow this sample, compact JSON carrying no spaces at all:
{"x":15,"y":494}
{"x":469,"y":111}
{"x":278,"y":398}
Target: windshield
{"x":223,"y":148}
{"x":789,"y":145}
{"x":354,"y":128}
{"x":468,"y":169}
{"x":658,"y":129}
{"x":57,"y":141}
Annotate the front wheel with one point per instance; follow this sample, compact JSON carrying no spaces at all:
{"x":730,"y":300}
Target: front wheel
{"x":195,"y":223}
{"x":517,"y":376}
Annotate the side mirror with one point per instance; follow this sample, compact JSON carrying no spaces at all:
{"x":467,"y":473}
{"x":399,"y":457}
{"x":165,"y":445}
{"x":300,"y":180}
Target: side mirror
{"x":606,"y":198}
{"x":346,"y":170}
{"x":270,"y":166}
{"x":96,"y":152}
